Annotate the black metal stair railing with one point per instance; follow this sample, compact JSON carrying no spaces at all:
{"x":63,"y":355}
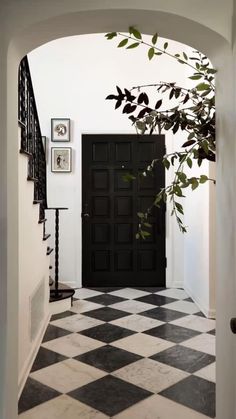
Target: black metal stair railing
{"x":31,"y":137}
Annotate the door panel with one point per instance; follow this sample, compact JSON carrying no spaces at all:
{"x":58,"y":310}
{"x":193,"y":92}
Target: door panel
{"x":111,"y":255}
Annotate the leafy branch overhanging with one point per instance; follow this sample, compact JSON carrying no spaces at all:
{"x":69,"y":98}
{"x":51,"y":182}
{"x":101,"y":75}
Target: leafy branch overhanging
{"x":194,"y":114}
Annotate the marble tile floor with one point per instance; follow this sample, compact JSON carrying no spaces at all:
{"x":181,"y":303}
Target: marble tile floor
{"x":124,"y":353}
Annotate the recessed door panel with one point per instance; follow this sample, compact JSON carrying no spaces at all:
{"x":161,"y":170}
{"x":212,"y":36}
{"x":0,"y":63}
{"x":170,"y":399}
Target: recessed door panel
{"x":100,"y":180}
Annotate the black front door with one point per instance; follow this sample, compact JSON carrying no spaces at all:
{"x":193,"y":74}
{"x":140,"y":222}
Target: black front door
{"x":111,"y":255}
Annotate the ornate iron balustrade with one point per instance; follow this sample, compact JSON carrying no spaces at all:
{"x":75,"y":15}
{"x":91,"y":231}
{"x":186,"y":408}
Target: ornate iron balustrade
{"x":31,"y":137}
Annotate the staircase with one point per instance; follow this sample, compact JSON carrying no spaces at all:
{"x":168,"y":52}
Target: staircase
{"x":31,"y":146}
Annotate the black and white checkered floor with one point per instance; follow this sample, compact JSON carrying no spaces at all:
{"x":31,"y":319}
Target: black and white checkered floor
{"x":145,"y":353}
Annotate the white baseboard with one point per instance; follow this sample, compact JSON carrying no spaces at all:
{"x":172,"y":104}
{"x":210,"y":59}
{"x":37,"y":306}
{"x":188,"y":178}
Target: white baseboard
{"x":23,"y":375}
{"x":207,"y":311}
{"x":175,"y":284}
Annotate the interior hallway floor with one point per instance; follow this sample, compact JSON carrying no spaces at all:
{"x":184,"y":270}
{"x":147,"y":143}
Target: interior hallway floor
{"x":124,"y":353}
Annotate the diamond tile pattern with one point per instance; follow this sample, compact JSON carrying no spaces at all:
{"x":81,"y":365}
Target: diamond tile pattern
{"x":124,"y":353}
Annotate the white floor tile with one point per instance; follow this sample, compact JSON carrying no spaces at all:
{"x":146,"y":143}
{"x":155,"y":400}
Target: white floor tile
{"x":86,"y":293}
{"x":142,"y":344}
{"x":183,"y":306}
{"x":132,"y":306}
{"x":201,"y":324}
{"x":129,"y":293}
{"x":67,"y":375}
{"x":204,"y":343}
{"x":158,"y":407}
{"x":151,"y":375}
{"x":81,"y":306}
{"x":72,"y":345}
{"x":76,"y":323}
{"x":174,"y":293}
{"x":63,"y":407}
{"x":137,"y":323}
{"x":209,"y":372}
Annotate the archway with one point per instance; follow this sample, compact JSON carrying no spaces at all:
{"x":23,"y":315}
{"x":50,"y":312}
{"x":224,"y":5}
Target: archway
{"x":171,"y":26}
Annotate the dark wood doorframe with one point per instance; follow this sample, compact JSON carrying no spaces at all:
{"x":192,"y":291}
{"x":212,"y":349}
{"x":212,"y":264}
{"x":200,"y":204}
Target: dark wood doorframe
{"x":111,"y":256}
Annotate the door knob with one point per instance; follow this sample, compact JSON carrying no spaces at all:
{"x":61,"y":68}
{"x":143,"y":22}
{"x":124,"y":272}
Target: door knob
{"x":233,"y":325}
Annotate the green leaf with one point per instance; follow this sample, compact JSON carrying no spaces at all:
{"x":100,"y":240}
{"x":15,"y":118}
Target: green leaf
{"x":135,"y":45}
{"x":166,"y":163}
{"x":144,"y":234}
{"x":135,"y":32}
{"x":211,"y":71}
{"x":203,"y":179}
{"x":148,"y":225}
{"x":110,"y":35}
{"x":195,"y":185}
{"x":202,"y":86}
{"x":122,"y":43}
{"x":158,"y":53}
{"x":154,"y":39}
{"x":137,"y":236}
{"x":127,"y":177}
{"x":140,"y":214}
{"x":165,"y":45}
{"x":179,"y":207}
{"x":185,"y":56}
{"x":195,"y":77}
{"x":191,"y":135}
{"x":151,"y":52}
{"x":189,"y":162}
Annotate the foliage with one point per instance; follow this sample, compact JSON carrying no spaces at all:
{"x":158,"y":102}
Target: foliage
{"x":194,"y":114}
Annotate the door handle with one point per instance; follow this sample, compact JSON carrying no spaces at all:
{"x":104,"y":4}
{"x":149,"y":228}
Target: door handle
{"x":233,"y":325}
{"x":85,"y":215}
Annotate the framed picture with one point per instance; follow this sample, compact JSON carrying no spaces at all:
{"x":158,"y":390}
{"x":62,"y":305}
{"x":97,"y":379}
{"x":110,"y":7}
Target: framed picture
{"x":60,"y":129}
{"x":61,"y":159}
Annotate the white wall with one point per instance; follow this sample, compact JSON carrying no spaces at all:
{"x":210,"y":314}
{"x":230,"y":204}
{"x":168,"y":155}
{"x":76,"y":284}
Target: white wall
{"x":72,"y":77}
{"x":199,"y":258}
{"x":33,"y":273}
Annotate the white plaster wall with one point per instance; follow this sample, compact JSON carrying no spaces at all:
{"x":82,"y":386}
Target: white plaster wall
{"x":199,"y":258}
{"x":72,"y":77}
{"x":33,"y":270}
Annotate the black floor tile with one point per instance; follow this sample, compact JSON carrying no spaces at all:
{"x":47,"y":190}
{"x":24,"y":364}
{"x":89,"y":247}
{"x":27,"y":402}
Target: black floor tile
{"x":35,"y":393}
{"x":107,"y":332}
{"x":106,"y":314}
{"x":150,"y":289}
{"x":163,"y":314}
{"x":110,"y":395}
{"x":62,"y":315}
{"x":200,"y":314}
{"x":108,"y":358}
{"x":172,"y":333}
{"x":155,"y":299}
{"x":183,"y":358}
{"x":106,"y":289}
{"x":212,"y":332}
{"x":45,"y":358}
{"x":189,"y":299}
{"x":105,"y":299}
{"x":54,"y":332}
{"x":194,"y":392}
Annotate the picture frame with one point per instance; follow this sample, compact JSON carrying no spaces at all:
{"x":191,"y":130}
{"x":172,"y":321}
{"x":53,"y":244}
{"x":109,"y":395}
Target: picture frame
{"x":60,"y":130}
{"x":61,"y":159}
